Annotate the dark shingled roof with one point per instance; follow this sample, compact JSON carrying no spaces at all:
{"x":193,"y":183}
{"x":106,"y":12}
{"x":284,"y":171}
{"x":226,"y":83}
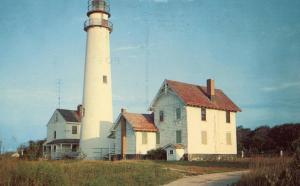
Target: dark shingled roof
{"x":65,"y":141}
{"x":195,"y":95}
{"x":69,"y":115}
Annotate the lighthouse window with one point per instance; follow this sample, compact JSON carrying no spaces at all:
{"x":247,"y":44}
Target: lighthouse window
{"x":105,"y":79}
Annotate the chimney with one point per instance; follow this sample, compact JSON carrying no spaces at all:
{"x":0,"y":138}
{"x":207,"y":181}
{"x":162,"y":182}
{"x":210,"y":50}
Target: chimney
{"x":123,"y":110}
{"x":80,"y":111}
{"x":211,"y":89}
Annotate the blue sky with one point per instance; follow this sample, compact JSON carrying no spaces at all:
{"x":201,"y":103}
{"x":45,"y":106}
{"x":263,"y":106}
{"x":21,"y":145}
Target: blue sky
{"x":251,"y":48}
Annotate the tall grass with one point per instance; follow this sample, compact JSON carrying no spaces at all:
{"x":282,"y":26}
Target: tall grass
{"x":14,"y":172}
{"x":272,"y":171}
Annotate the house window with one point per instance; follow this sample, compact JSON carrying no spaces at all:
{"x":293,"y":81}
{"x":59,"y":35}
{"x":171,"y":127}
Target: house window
{"x":74,"y":129}
{"x":203,"y":114}
{"x":54,"y":148}
{"x":228,"y":138}
{"x":161,"y":116}
{"x":144,"y":138}
{"x":104,"y":79}
{"x":157,"y":138}
{"x":54,"y":135}
{"x":178,"y":136}
{"x":178,"y":113}
{"x":171,"y":152}
{"x":227,"y":116}
{"x":204,"y":137}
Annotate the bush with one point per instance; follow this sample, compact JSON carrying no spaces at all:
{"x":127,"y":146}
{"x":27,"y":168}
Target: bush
{"x":157,"y":154}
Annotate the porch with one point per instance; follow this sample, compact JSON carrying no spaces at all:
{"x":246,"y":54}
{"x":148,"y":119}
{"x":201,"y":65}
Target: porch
{"x":61,"y":148}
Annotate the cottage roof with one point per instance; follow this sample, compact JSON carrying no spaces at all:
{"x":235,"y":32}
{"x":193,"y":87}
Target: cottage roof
{"x":69,"y":115}
{"x":140,"y":122}
{"x":174,"y":146}
{"x":197,"y":96}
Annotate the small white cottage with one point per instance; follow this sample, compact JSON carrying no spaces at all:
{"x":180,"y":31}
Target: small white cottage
{"x":174,"y":152}
{"x":63,"y":134}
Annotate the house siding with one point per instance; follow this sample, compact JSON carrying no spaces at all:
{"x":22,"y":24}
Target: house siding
{"x":168,"y":102}
{"x":216,"y":129}
{"x":59,"y":126}
{"x":144,"y":148}
{"x":69,"y":134}
{"x":130,"y":140}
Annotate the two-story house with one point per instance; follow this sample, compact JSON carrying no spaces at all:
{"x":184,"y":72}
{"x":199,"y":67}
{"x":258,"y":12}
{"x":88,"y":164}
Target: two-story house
{"x":63,"y":134}
{"x":191,"y":120}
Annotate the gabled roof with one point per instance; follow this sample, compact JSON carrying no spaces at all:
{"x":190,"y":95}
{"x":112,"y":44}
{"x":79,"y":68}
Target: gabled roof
{"x":69,"y":115}
{"x":174,"y":146}
{"x":140,"y":122}
{"x":196,"y":96}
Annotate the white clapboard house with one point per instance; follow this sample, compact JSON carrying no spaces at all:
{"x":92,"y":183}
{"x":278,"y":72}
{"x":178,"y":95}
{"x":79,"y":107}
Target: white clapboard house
{"x":189,"y":121}
{"x":63,"y":134}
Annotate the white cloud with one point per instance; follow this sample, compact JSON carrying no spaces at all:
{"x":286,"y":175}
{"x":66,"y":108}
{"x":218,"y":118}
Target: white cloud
{"x":125,"y":48}
{"x":281,"y":86}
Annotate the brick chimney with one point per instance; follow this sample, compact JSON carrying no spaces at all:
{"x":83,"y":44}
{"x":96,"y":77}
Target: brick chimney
{"x":80,"y":111}
{"x":211,"y":89}
{"x":123,"y":135}
{"x":123,"y":110}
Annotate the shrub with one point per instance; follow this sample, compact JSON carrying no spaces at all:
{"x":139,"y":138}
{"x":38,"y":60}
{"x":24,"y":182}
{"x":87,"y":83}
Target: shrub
{"x":157,"y":154}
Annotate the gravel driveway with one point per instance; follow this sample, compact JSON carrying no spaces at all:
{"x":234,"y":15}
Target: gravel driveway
{"x":216,"y":179}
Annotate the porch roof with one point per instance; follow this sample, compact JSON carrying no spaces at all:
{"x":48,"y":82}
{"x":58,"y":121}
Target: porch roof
{"x":63,"y":141}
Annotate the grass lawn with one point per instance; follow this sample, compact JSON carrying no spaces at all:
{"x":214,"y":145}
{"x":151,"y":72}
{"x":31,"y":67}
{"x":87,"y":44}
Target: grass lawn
{"x":16,"y":172}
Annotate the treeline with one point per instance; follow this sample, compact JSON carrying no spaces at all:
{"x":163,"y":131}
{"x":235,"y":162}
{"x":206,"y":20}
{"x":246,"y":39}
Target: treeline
{"x":269,"y":140}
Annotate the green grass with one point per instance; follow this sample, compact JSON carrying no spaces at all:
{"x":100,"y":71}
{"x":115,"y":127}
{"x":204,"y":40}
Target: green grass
{"x":16,"y":172}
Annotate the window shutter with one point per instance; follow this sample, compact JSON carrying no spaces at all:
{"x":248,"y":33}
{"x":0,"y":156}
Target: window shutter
{"x":204,"y":137}
{"x":144,"y":138}
{"x":228,"y":138}
{"x":178,"y":136}
{"x":157,"y":138}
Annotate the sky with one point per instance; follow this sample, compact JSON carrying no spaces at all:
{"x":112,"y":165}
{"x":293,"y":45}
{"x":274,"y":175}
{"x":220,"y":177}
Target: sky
{"x":251,"y":49}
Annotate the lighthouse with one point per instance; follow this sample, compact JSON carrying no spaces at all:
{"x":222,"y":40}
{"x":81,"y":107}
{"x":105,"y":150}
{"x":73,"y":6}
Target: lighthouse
{"x":97,"y":115}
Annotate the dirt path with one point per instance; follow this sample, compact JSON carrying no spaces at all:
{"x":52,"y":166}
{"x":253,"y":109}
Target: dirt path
{"x":217,"y":179}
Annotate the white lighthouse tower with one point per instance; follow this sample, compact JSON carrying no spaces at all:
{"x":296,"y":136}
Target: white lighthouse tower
{"x":97,"y":93}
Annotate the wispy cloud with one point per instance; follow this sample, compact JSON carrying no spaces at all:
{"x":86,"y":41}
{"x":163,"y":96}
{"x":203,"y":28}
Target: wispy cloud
{"x":281,"y":86}
{"x":125,"y":48}
{"x":165,"y":1}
